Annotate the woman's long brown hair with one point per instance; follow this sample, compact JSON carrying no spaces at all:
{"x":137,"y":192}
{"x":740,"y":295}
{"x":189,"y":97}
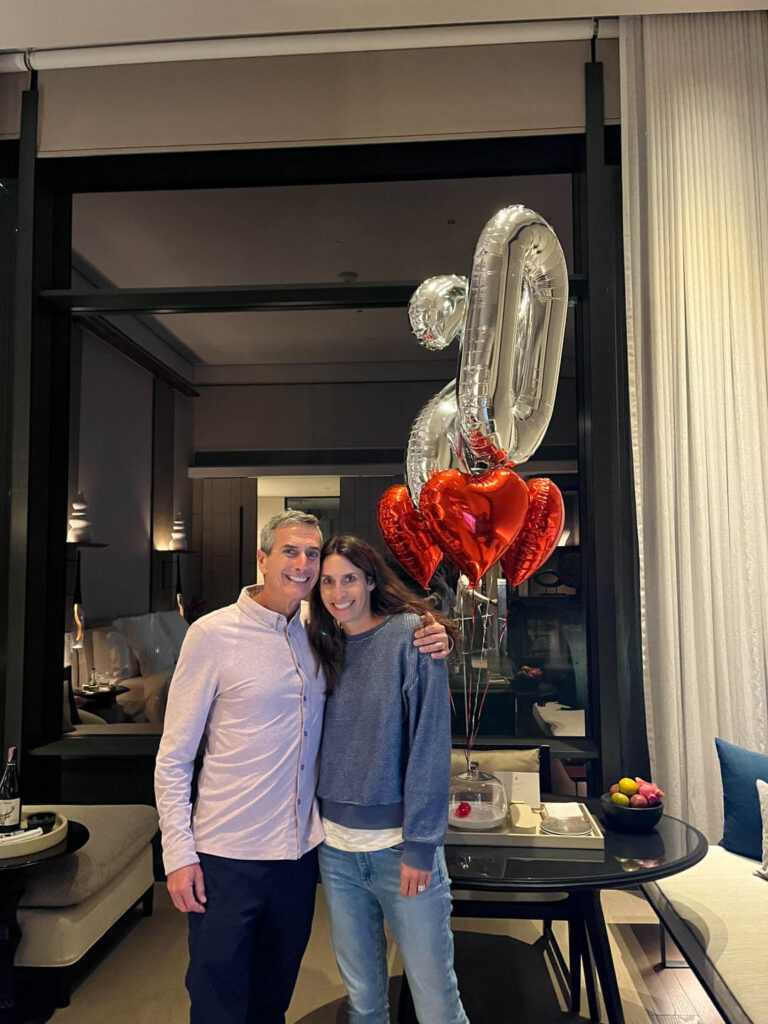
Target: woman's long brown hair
{"x":389,"y":597}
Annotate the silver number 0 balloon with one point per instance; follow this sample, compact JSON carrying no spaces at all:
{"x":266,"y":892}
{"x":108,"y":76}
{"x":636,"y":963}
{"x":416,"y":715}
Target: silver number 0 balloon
{"x":513,"y":338}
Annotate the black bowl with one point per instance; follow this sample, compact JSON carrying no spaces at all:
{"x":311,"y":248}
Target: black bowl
{"x":630,"y":819}
{"x":42,"y":819}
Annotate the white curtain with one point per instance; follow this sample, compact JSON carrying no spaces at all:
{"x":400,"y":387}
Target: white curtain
{"x":695,"y":177}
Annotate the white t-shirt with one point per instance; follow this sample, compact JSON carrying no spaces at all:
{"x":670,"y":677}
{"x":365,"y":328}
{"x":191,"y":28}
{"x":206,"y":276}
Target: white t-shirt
{"x":360,"y":840}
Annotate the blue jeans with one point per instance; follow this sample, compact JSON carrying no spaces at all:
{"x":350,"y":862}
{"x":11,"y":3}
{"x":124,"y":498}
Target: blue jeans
{"x":361,"y":891}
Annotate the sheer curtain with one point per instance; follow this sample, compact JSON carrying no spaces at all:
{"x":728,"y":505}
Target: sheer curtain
{"x":695,"y":179}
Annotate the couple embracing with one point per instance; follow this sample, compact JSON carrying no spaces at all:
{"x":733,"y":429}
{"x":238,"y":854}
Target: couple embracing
{"x":354,"y":703}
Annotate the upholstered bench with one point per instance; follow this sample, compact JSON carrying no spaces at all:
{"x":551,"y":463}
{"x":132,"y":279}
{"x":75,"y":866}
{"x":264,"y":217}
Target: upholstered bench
{"x":71,"y":901}
{"x":717,"y":913}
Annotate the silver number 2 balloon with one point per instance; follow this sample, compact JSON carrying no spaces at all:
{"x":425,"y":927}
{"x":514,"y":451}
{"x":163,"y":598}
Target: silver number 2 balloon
{"x":513,"y":321}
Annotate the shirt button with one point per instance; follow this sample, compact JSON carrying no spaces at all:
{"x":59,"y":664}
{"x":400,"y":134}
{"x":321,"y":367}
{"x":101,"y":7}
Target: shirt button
{"x":299,"y":799}
{"x":305,"y":700}
{"x":306,"y":733}
{"x":302,"y":767}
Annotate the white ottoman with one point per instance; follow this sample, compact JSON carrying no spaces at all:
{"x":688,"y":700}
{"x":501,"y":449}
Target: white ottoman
{"x":70,"y":902}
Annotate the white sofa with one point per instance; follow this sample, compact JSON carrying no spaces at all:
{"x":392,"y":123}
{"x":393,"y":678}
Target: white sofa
{"x":717,"y":913}
{"x":138,"y":652}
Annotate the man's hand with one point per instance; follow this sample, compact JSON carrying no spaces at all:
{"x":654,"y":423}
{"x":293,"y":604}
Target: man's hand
{"x":187,"y":889}
{"x":412,"y":881}
{"x":431,"y":638}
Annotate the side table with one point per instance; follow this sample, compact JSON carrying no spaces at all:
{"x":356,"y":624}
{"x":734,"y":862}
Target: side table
{"x":484,"y":879}
{"x":11,"y":889}
{"x":102,"y":702}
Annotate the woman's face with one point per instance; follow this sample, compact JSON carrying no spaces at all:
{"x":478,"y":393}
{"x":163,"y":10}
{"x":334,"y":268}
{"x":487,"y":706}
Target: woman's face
{"x":346,"y":593}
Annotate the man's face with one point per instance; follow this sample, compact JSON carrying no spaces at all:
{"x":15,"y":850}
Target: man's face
{"x":291,"y":568}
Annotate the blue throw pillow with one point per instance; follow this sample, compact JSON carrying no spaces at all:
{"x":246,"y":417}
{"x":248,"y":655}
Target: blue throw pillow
{"x":740,"y":770}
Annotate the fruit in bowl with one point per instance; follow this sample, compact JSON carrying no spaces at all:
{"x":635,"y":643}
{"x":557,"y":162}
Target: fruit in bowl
{"x":633,"y":805}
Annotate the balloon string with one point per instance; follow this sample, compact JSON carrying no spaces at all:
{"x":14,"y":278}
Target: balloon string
{"x":479,"y":713}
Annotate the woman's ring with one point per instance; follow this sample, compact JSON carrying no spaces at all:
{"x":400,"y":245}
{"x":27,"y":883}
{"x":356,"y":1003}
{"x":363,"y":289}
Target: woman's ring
{"x":421,"y":888}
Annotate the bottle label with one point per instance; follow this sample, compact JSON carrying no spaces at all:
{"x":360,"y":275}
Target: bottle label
{"x":10,"y":813}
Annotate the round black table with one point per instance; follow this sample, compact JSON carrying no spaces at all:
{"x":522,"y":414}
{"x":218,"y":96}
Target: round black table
{"x":626,"y":860}
{"x":11,"y":889}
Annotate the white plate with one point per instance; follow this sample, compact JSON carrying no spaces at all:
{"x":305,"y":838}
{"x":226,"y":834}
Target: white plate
{"x":565,"y":826}
{"x":481,"y":818}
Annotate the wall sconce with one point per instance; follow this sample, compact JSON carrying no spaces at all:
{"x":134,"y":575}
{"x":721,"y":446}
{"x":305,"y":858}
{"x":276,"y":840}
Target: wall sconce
{"x":79,"y":534}
{"x":78,"y":613}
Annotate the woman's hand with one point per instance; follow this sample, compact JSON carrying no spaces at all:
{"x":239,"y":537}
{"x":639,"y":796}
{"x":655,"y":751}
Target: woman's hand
{"x":431,"y":638}
{"x":412,"y":881}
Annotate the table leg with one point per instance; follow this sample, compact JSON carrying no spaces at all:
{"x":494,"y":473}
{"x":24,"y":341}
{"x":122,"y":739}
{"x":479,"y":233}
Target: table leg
{"x":406,"y":1011}
{"x":579,"y":955}
{"x":575,"y":932}
{"x":597,"y":934}
{"x":11,"y":888}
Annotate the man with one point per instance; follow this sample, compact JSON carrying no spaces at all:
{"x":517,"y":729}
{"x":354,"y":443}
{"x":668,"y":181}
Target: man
{"x":243,"y":863}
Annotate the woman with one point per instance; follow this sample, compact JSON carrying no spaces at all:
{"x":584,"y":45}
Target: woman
{"x":383,"y":786}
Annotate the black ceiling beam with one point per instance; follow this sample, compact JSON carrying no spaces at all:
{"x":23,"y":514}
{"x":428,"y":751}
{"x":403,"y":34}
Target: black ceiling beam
{"x":314,"y":165}
{"x":263,"y":298}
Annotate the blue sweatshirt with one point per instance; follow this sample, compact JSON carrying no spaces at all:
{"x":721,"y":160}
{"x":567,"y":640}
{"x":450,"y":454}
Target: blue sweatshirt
{"x":386,"y":748}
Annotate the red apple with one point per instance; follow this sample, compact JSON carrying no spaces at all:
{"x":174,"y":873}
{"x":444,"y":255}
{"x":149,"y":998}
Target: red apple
{"x":654,"y":799}
{"x":614,"y":788}
{"x":638,"y":800}
{"x":463,"y":810}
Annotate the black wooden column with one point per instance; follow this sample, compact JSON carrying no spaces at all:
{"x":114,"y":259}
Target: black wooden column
{"x":607,"y":513}
{"x":39,"y":451}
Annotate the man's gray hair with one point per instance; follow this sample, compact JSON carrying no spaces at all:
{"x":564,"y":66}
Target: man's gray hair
{"x":291,"y":517}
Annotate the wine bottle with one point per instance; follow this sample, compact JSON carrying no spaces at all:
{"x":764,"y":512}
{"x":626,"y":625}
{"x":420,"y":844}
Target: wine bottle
{"x":10,"y":795}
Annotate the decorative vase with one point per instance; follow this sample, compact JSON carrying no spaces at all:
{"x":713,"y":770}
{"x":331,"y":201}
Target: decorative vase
{"x":178,"y":534}
{"x":79,"y":531}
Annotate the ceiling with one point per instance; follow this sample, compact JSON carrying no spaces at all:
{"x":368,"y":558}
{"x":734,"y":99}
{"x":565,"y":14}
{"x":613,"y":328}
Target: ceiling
{"x":372,"y":232}
{"x":29,"y":23}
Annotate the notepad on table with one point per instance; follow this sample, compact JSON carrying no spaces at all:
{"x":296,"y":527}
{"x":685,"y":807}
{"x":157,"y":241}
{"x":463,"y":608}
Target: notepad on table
{"x":563,"y":810}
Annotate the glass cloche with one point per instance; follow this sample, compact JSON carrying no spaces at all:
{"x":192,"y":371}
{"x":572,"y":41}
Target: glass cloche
{"x":477,"y":800}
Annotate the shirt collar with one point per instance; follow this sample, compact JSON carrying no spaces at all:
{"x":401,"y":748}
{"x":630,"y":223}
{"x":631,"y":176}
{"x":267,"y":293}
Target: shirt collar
{"x":265,"y":616}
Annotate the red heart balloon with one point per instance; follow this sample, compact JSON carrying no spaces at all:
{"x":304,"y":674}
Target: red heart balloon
{"x":474,"y":518}
{"x":540,"y":533}
{"x":406,"y":535}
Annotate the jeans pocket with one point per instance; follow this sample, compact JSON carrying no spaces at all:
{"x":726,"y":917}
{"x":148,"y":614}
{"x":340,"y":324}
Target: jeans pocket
{"x":397,"y":848}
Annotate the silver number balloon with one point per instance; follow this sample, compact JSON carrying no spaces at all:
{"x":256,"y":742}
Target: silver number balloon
{"x":437,"y":309}
{"x":433,"y":441}
{"x":513,"y":338}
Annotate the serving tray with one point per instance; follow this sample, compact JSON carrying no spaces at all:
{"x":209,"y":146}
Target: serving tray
{"x":507,"y":835}
{"x":23,"y":845}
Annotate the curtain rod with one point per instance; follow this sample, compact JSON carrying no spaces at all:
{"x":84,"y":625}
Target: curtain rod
{"x":351,"y":41}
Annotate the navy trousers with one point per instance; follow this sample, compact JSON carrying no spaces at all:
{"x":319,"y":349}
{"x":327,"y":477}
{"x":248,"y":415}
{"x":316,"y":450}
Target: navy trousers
{"x":245,"y":950}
